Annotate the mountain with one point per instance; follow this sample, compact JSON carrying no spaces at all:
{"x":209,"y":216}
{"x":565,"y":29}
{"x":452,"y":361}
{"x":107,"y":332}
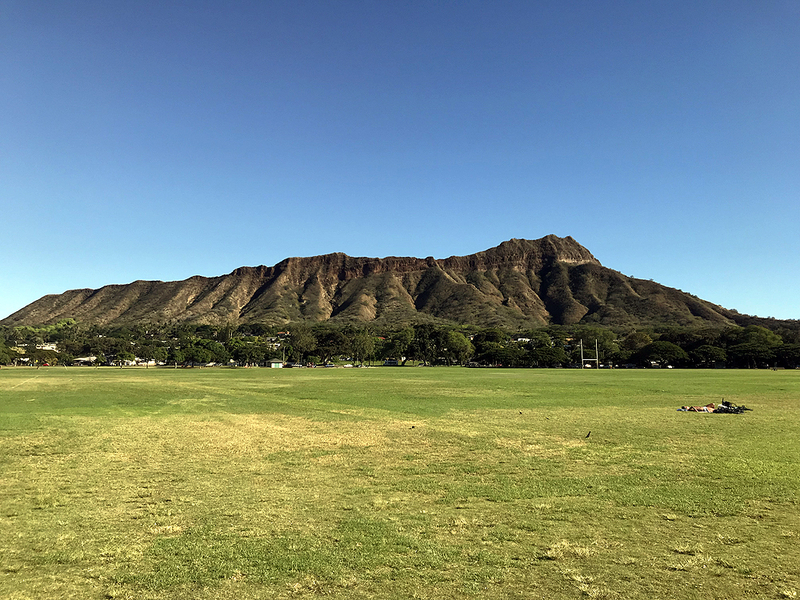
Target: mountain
{"x":520,"y":283}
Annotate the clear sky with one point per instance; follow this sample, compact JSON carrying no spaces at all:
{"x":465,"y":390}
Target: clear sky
{"x":164,"y":139}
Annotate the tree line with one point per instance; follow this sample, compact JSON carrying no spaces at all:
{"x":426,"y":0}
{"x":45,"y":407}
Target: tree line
{"x":70,"y":342}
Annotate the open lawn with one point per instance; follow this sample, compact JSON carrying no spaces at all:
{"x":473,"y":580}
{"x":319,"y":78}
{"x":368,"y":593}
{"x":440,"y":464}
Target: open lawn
{"x":397,"y":483}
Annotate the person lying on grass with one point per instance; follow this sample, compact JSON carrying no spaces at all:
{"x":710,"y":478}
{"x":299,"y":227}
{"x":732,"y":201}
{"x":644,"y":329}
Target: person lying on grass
{"x":707,"y":408}
{"x":724,"y":407}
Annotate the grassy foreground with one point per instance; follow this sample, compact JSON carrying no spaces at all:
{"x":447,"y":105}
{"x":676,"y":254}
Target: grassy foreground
{"x":397,"y":483}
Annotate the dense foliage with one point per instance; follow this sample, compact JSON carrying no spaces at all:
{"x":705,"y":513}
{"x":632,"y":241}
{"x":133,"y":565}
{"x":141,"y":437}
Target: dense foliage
{"x":69,"y":342}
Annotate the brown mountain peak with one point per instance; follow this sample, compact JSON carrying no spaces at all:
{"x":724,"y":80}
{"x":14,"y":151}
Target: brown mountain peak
{"x":519,"y":283}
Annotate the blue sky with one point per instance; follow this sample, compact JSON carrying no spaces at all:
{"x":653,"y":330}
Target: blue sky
{"x":161,"y":140}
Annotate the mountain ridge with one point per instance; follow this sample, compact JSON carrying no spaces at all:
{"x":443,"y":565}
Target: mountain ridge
{"x":519,"y":283}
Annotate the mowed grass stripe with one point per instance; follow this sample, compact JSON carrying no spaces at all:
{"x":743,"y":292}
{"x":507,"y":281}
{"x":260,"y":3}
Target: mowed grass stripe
{"x":391,"y":482}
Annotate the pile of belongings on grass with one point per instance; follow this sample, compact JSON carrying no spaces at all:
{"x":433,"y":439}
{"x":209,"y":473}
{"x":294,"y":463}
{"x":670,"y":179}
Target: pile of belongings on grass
{"x":724,"y":407}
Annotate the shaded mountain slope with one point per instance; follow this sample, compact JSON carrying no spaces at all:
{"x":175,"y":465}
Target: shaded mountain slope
{"x":520,"y":283}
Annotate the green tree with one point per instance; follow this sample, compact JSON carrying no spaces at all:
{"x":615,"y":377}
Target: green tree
{"x":331,"y":342}
{"x":708,"y":355}
{"x":662,"y":353}
{"x":249,"y":354}
{"x":145,"y":352}
{"x":159,"y":354}
{"x":753,"y":346}
{"x":65,"y":358}
{"x":398,"y":344}
{"x":490,"y":346}
{"x":491,"y":335}
{"x":424,"y":346}
{"x":362,"y":343}
{"x":752,"y":355}
{"x":547,"y":356}
{"x":511,"y":355}
{"x":490,"y":353}
{"x":124,"y":356}
{"x":197,"y":354}
{"x":538,"y":339}
{"x":225,"y":333}
{"x":789,"y":355}
{"x":544,"y":351}
{"x":216,"y":352}
{"x":5,"y":354}
{"x":176,"y":356}
{"x":750,"y":334}
{"x":634,"y":341}
{"x":302,"y":340}
{"x":39,"y":356}
{"x":456,"y":347}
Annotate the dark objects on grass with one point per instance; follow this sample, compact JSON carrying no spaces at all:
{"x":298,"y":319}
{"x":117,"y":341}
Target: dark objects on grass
{"x":723,"y":407}
{"x":730,"y":408}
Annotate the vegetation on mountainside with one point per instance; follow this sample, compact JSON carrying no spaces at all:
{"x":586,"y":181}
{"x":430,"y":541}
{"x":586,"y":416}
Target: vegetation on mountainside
{"x":519,"y":285}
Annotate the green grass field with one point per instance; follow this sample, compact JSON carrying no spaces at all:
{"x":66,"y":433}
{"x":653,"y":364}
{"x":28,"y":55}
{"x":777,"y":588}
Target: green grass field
{"x":397,"y":483}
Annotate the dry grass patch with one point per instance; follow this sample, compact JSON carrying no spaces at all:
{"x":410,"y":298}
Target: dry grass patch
{"x":391,"y":483}
{"x":566,"y":549}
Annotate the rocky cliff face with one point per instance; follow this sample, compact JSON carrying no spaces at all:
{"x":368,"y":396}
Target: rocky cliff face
{"x":520,"y":283}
